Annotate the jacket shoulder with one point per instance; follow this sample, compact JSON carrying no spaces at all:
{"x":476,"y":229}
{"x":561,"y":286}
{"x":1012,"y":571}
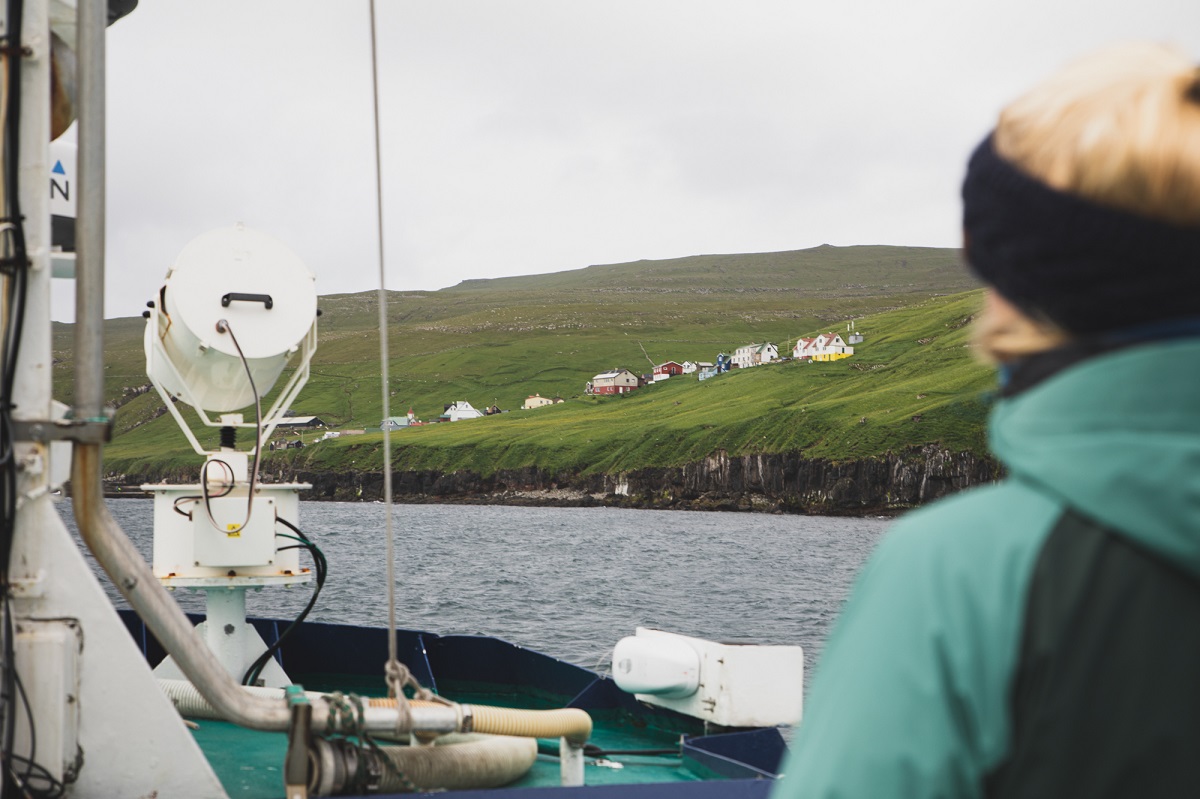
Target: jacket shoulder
{"x":910,"y":697}
{"x":1003,"y":515}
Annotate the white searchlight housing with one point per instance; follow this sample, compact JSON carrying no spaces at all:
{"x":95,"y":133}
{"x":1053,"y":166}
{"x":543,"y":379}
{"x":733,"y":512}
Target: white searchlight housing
{"x":234,"y":309}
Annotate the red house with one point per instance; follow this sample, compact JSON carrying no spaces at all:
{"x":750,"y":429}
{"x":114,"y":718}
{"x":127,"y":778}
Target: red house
{"x":669,"y":368}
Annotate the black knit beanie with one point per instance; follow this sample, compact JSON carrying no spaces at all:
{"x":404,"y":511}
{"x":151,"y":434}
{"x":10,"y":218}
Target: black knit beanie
{"x":1085,"y":267}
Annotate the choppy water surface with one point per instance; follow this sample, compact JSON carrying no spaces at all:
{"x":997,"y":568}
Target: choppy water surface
{"x":570,"y":582}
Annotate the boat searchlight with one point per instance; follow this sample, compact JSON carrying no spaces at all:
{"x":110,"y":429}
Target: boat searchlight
{"x":235,"y":309}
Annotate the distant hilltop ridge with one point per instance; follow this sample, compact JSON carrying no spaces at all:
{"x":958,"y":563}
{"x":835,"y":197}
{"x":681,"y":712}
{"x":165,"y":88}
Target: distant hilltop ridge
{"x":821,"y":268}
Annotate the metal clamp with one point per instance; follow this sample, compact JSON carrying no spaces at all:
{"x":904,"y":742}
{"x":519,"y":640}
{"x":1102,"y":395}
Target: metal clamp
{"x":295,"y":762}
{"x":85,"y":431}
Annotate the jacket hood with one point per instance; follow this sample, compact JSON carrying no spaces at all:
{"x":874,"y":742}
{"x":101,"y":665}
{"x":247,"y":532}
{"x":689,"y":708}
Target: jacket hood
{"x":1117,"y":438}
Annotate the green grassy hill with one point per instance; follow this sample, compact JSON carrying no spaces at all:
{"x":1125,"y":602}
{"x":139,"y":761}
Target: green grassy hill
{"x":912,"y":382}
{"x":498,"y":341}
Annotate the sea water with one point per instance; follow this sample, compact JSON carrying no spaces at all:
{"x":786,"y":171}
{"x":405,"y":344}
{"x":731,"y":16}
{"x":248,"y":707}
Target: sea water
{"x":569,"y":582}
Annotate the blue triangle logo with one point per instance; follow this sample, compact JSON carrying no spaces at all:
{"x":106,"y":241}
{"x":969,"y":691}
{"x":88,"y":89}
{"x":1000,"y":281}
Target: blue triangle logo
{"x":58,"y":168}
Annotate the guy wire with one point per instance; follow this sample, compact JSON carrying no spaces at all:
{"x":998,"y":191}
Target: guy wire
{"x":383,"y":361}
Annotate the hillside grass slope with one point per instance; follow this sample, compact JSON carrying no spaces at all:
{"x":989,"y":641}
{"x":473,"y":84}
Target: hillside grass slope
{"x":912,"y":382}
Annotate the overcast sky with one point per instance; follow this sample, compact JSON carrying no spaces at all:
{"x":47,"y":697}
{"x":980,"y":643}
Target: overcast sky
{"x":531,"y":136}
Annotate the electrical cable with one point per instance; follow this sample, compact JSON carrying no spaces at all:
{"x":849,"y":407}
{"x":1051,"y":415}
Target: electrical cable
{"x":53,"y":788}
{"x":9,"y":689}
{"x":13,"y":267}
{"x":591,"y":750}
{"x":175,"y":505}
{"x":223,"y":326}
{"x":321,"y":566}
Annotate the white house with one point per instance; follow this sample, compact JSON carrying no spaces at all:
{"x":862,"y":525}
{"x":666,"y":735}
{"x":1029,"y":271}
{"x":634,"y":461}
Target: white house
{"x":616,"y":381}
{"x":457,"y":411}
{"x":688,"y":367}
{"x":825,"y":347}
{"x":754,"y":355}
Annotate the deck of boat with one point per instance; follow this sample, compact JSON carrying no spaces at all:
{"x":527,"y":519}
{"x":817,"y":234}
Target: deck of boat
{"x":488,"y":671}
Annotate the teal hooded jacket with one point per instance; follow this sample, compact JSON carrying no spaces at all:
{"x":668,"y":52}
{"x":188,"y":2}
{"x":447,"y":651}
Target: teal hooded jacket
{"x":1039,"y":636}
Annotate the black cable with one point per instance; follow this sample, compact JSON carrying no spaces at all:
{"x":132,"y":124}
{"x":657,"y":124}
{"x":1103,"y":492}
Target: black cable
{"x":13,"y":264}
{"x":594,"y":751}
{"x":53,"y":787}
{"x":321,"y":567}
{"x":591,"y":750}
{"x":8,"y":689}
{"x":23,"y":779}
{"x":175,"y":505}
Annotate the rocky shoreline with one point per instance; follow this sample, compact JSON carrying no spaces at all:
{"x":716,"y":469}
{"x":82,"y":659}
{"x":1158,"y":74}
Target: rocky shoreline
{"x":766,"y":483}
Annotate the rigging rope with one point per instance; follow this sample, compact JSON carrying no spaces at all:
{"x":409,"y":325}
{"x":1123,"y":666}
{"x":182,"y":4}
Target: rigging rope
{"x":395,"y":688}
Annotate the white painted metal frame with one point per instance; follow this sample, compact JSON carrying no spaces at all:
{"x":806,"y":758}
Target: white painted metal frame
{"x":271,"y":418}
{"x":146,"y":753}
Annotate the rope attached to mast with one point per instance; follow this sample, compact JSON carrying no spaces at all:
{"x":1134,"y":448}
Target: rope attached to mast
{"x":394,"y":669}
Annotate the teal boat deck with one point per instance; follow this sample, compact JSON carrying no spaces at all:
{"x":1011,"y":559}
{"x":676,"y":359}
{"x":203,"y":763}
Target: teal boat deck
{"x":249,"y":763}
{"x":486,"y":671}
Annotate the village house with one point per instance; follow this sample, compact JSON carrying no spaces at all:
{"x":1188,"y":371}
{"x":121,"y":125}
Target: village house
{"x":754,"y":355}
{"x":705,"y":369}
{"x":615,"y":381}
{"x":300,"y":422}
{"x":689,"y":367}
{"x":396,"y":422}
{"x":825,"y":347}
{"x":668,"y":369}
{"x":457,"y":411}
{"x":537,"y":401}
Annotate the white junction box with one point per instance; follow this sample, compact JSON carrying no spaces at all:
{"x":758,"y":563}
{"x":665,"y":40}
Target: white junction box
{"x":47,"y":660}
{"x":188,"y":545}
{"x":733,"y":685}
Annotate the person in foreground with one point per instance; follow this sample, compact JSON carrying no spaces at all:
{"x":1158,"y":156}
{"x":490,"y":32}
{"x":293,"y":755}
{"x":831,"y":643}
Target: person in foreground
{"x":1041,"y":636}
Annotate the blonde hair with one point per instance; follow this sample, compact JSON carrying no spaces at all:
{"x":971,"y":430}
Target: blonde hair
{"x":1120,"y":128}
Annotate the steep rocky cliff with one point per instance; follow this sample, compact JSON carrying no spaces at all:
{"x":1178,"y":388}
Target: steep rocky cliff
{"x":768,"y":482}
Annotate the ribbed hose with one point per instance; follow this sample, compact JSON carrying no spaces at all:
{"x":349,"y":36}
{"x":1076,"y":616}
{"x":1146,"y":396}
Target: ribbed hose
{"x":469,"y":762}
{"x":571,"y":723}
{"x":191,"y":703}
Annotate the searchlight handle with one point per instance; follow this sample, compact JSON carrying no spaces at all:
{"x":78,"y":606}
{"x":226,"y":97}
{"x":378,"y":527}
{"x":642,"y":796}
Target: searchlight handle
{"x":265,"y":299}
